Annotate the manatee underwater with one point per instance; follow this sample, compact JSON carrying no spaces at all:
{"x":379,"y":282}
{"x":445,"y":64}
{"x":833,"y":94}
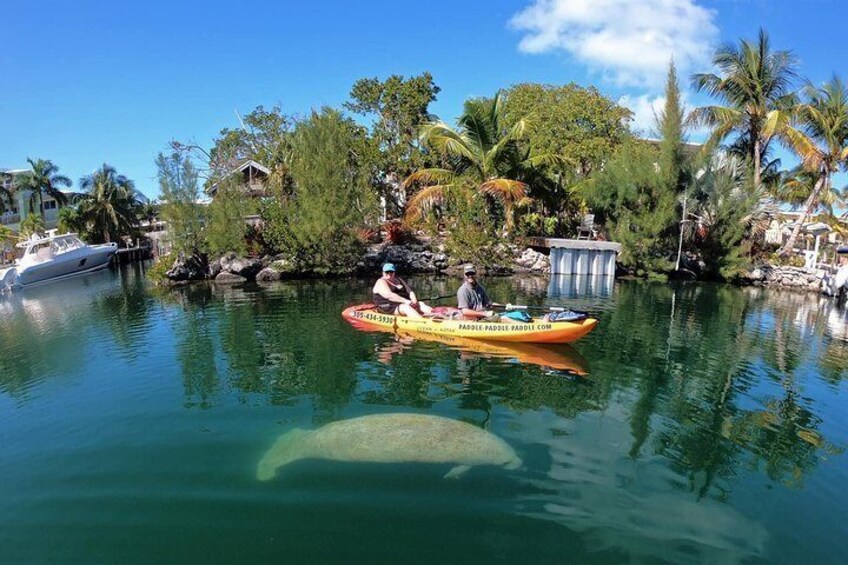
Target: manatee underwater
{"x":391,"y":438}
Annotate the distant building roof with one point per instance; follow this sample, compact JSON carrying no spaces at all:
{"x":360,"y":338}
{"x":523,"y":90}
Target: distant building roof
{"x":244,"y":167}
{"x":254,"y":164}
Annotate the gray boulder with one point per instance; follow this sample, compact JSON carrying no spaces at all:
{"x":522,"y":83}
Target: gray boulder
{"x":226,"y":277}
{"x":269,"y":275}
{"x":225,"y":260}
{"x":245,"y":267}
{"x":191,"y":268}
{"x":533,"y":261}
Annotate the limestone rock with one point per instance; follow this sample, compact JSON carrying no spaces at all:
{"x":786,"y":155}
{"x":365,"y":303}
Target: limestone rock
{"x":269,"y":274}
{"x":533,"y":261}
{"x":191,"y":268}
{"x":214,"y":269}
{"x":226,"y":277}
{"x":245,"y":267}
{"x":225,"y":260}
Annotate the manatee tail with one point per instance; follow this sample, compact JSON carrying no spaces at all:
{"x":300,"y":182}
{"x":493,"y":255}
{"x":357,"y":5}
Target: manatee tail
{"x":285,"y":450}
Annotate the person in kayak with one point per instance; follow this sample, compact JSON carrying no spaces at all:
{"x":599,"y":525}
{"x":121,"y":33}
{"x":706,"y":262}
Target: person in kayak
{"x":392,"y":295}
{"x":471,"y":297}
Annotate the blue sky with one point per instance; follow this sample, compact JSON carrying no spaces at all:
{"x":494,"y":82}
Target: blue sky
{"x":82,"y":83}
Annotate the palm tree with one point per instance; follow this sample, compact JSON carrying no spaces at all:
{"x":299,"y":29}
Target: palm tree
{"x":756,"y":84}
{"x":6,"y":180}
{"x":481,"y":150}
{"x":43,"y":179}
{"x":821,"y":142}
{"x":796,"y":186}
{"x":6,"y":234}
{"x":110,"y":203}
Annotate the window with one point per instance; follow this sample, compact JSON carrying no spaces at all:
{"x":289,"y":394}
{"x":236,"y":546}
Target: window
{"x":50,"y":205}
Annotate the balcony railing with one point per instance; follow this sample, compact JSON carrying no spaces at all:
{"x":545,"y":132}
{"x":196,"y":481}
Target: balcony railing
{"x":7,"y":219}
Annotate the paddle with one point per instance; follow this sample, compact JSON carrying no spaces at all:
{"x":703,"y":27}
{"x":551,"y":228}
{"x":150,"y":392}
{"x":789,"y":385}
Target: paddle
{"x":510,"y":307}
{"x":434,"y":298}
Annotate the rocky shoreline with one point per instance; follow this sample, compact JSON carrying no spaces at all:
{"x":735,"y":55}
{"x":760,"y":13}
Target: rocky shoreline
{"x":421,"y":258}
{"x":786,"y":277}
{"x":409,"y":259}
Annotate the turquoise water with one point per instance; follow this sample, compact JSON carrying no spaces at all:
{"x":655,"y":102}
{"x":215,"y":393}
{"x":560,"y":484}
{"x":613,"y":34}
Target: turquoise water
{"x":696,"y":424}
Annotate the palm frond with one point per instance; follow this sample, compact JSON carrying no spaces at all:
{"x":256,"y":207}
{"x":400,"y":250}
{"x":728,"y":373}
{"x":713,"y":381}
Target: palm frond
{"x":550,"y":160}
{"x":429,"y":176}
{"x":446,"y":140}
{"x":425,"y":200}
{"x":505,"y":190}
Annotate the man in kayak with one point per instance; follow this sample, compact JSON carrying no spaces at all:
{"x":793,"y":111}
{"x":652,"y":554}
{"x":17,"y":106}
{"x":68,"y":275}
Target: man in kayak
{"x":393,"y":296}
{"x":471,"y":297}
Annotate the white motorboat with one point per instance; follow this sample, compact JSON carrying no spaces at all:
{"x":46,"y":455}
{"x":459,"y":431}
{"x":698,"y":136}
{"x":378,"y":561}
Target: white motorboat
{"x":55,"y":257}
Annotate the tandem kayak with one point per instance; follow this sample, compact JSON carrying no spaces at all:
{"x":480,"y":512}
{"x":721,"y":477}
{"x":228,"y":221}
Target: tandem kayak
{"x":537,"y":331}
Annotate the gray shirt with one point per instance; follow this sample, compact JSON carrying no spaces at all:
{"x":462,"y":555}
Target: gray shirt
{"x":473,"y":298}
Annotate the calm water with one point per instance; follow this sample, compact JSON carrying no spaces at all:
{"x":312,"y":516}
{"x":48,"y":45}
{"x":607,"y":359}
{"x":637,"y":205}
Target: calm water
{"x":696,"y":424}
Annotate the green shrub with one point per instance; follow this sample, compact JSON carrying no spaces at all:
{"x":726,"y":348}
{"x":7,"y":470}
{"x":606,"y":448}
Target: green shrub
{"x":178,"y":185}
{"x":32,"y":224}
{"x":226,"y":229}
{"x":156,"y":272}
{"x":319,"y":225}
{"x":535,"y":224}
{"x":70,"y":221}
{"x":470,"y":238}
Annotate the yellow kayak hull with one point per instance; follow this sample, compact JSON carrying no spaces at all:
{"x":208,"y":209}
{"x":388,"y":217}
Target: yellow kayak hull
{"x":537,"y":331}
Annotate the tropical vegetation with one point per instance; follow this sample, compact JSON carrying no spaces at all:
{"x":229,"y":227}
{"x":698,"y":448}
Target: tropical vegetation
{"x":533,"y":159}
{"x":109,"y":204}
{"x":483,"y":158}
{"x":821,"y":141}
{"x":317,"y":225}
{"x":756,"y":83}
{"x":43,"y":179}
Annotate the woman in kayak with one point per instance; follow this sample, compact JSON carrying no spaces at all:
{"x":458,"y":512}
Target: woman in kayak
{"x":393,"y":296}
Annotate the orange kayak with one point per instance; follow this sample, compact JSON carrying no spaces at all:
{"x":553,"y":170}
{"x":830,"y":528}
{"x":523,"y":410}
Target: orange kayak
{"x":537,"y":331}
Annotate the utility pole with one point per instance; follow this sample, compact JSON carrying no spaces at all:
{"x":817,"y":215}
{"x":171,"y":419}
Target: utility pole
{"x":683,"y":220}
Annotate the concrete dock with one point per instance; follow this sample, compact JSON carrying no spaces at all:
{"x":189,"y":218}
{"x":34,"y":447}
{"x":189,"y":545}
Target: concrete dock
{"x":580,"y":256}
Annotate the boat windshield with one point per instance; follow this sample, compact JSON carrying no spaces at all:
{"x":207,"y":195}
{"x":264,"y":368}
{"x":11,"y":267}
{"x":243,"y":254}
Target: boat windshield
{"x":66,"y":243}
{"x":46,"y":250}
{"x":39,"y":252}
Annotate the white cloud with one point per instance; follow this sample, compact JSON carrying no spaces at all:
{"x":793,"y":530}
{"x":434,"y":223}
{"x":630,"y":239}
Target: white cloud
{"x":645,"y":109}
{"x":629,"y":41}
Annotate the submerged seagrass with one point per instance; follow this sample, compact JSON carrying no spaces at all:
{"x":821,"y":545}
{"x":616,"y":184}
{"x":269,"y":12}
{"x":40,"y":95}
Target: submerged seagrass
{"x":391,"y":438}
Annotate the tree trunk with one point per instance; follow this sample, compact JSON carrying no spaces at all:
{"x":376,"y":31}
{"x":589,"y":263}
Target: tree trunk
{"x":809,"y":205}
{"x":757,"y":164}
{"x":106,"y":236}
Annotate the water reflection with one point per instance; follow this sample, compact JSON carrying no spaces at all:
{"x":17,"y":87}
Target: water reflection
{"x":692,"y":396}
{"x":592,"y":486}
{"x":580,"y":286}
{"x":560,"y":357}
{"x":49,"y":330}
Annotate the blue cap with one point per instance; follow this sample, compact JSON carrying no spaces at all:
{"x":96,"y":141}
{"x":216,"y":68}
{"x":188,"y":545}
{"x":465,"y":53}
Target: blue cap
{"x":388,"y":268}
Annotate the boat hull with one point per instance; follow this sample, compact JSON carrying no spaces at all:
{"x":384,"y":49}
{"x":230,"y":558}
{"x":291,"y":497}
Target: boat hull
{"x":84,"y":260}
{"x":538,"y":331}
